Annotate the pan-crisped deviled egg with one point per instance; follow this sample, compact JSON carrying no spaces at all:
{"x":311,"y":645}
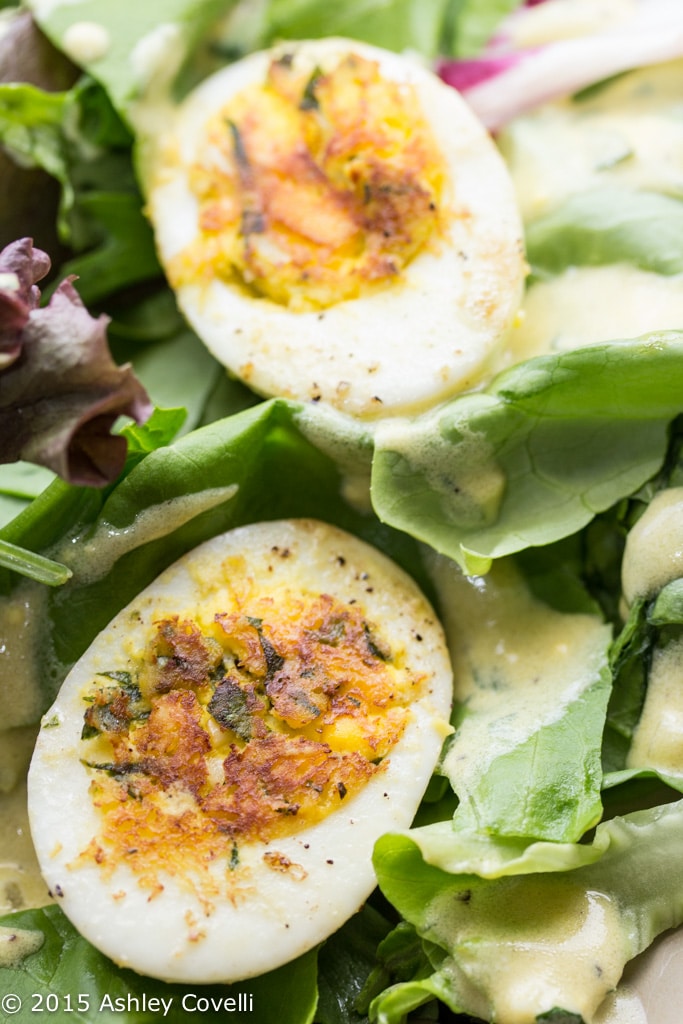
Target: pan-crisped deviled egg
{"x":337,"y":226}
{"x":206,"y":790}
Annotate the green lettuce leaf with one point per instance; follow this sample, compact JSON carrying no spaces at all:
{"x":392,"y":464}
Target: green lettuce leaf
{"x":668,"y":606}
{"x":556,"y":938}
{"x":475,"y":21}
{"x":20,"y":483}
{"x":76,"y":137}
{"x":252,"y":466}
{"x":31,"y":122}
{"x":609,"y":225}
{"x":122,"y":69}
{"x":531,"y":692}
{"x":87,"y":987}
{"x":534,"y":456}
{"x":395,"y":25}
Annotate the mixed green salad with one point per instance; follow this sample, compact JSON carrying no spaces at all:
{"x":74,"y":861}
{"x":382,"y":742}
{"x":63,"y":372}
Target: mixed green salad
{"x":542,"y":513}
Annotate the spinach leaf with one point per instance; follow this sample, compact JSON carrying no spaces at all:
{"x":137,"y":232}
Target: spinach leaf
{"x":534,"y":456}
{"x":396,"y":25}
{"x":609,"y":225}
{"x":143,"y":40}
{"x":252,"y":466}
{"x":66,"y":965}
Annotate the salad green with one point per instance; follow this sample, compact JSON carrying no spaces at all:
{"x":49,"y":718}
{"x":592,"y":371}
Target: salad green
{"x":544,"y":856}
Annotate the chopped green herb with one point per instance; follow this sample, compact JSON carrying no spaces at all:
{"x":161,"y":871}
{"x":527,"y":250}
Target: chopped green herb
{"x":229,"y":705}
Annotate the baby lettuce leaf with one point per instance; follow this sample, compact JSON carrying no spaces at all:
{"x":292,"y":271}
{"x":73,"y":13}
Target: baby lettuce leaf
{"x":77,"y":137}
{"x":433,"y":28}
{"x":20,"y":483}
{"x":252,"y":466}
{"x":475,"y":21}
{"x":609,"y":225}
{"x":144,"y":40}
{"x":395,"y":25}
{"x":531,"y":687}
{"x":572,"y":904}
{"x":121,"y":252}
{"x":533,"y":457}
{"x":667,"y":609}
{"x":66,"y":965}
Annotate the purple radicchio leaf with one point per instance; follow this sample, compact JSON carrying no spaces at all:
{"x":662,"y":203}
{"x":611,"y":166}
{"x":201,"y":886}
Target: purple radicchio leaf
{"x":60,"y":390}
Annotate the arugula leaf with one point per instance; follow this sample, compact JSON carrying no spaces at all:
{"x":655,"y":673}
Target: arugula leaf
{"x":77,"y":137}
{"x":66,"y":964}
{"x":536,"y":455}
{"x":31,"y":126}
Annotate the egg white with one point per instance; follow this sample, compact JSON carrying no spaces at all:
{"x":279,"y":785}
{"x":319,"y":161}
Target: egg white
{"x":273,"y":916}
{"x":400,"y":349}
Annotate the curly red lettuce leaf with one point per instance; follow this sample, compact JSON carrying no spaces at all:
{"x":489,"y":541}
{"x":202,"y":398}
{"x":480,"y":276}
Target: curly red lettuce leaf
{"x":60,"y":390}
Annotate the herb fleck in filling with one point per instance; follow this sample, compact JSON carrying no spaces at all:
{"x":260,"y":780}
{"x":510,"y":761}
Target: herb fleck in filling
{"x":252,"y":726}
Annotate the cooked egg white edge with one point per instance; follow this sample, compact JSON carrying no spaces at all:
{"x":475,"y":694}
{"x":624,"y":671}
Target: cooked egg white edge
{"x":278,"y":916}
{"x":400,"y":349}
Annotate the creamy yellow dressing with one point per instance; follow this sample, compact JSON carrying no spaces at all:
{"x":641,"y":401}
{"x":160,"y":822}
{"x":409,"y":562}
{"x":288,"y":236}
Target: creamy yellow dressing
{"x":86,"y":41}
{"x":565,"y":948}
{"x":21,"y":884}
{"x":92,"y":559}
{"x":653,"y":555}
{"x":508,"y":647}
{"x":20,"y":622}
{"x":658,"y":739}
{"x":480,"y":486}
{"x":628,"y":133}
{"x":18,"y":943}
{"x":586,"y":305}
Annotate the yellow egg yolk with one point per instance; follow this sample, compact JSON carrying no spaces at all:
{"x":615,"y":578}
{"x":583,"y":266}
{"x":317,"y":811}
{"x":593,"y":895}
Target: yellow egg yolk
{"x":315,"y":187}
{"x":251,"y":724}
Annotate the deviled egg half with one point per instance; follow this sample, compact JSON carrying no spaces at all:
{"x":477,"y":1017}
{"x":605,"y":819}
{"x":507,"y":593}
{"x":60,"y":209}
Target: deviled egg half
{"x":337,"y":226}
{"x":207,"y":788}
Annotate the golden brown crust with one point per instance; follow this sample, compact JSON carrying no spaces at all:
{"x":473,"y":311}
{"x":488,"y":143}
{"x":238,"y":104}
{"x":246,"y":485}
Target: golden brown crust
{"x":254,"y":725}
{"x":325,"y":184}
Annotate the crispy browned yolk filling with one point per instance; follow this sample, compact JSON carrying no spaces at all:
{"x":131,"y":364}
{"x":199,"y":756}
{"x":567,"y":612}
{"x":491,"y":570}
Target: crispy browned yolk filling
{"x":251,"y":727}
{"x":315,"y":188}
